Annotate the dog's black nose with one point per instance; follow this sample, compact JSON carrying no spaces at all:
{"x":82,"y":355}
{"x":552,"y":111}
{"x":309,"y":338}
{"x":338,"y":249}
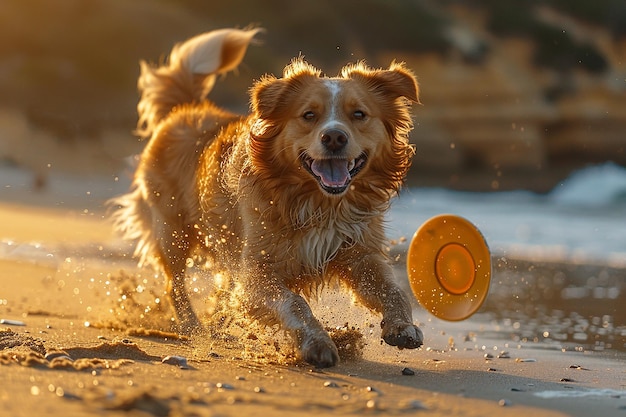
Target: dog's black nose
{"x":334,"y":139}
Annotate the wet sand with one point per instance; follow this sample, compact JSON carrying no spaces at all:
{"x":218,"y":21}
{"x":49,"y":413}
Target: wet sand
{"x":83,"y":335}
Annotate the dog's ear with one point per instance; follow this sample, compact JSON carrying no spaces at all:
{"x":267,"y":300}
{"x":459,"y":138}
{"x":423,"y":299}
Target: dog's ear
{"x":271,"y":98}
{"x":271,"y":94}
{"x":400,"y":81}
{"x":266,"y":95}
{"x":267,"y":101}
{"x":395,"y":82}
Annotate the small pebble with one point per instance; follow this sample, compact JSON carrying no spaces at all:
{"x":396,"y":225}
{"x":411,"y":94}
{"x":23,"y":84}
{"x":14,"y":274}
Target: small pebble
{"x":214,"y":355}
{"x":330,"y":384}
{"x":371,"y":389}
{"x":12,"y":322}
{"x":488,"y":356}
{"x":58,"y":354}
{"x":517,"y":390}
{"x":408,"y":371}
{"x":179,"y":361}
{"x":68,"y":395}
{"x":415,"y":405}
{"x":525,"y":360}
{"x":504,"y":355}
{"x":492,"y":370}
{"x":567,"y":380}
{"x":504,"y":402}
{"x":240,"y":378}
{"x":259,"y":390}
{"x":223,"y":386}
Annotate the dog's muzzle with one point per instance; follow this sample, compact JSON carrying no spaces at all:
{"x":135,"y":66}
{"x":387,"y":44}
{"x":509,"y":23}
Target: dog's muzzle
{"x":334,"y":174}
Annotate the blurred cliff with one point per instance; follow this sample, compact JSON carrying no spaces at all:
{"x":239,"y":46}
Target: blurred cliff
{"x":515,"y":93}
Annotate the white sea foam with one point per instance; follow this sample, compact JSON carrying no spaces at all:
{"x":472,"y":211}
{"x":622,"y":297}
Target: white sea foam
{"x":582,"y":220}
{"x":580,"y":393}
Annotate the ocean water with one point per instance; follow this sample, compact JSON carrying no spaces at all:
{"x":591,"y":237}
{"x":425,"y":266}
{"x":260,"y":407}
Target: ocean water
{"x":568,"y":291}
{"x":583,"y":220}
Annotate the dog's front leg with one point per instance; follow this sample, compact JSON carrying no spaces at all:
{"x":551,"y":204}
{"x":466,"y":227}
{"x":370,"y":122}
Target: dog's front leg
{"x":371,"y":278}
{"x":272,"y":302}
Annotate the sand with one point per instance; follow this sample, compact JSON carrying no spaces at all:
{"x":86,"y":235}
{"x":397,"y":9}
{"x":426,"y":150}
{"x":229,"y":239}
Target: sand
{"x":83,"y":334}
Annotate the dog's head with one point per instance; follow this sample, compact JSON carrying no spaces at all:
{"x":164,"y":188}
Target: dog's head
{"x":333,"y":131}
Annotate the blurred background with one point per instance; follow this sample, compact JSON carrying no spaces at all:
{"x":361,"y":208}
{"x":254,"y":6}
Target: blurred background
{"x":516,"y":94}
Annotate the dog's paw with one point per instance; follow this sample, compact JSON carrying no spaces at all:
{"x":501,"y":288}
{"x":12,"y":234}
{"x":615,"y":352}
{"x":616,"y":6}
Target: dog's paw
{"x":402,"y":335}
{"x":320,"y":352}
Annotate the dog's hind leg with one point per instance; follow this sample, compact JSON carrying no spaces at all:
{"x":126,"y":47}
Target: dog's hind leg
{"x":174,"y":249}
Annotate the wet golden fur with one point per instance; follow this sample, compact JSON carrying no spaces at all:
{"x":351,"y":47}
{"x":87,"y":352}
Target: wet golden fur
{"x":263,"y":195}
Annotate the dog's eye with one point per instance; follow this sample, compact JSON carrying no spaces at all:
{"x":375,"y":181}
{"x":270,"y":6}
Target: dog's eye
{"x":308,"y":115}
{"x":359,"y":115}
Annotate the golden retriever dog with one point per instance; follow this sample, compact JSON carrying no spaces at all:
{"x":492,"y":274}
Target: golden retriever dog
{"x":284,"y":200}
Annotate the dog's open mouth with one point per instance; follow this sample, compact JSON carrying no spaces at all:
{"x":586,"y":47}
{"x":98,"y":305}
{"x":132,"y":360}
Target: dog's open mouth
{"x":334,"y":174}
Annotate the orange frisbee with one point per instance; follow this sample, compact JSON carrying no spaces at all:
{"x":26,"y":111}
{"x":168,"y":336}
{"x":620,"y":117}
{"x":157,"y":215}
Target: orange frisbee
{"x":449,"y":267}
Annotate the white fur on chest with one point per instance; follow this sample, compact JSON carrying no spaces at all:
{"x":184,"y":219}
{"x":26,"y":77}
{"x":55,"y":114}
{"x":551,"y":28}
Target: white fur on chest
{"x":325,"y":232}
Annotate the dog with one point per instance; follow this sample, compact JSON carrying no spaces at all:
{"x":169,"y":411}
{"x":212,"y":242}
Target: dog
{"x":283,"y":200}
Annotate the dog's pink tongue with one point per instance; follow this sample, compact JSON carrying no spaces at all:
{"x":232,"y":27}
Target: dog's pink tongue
{"x":333,"y":172}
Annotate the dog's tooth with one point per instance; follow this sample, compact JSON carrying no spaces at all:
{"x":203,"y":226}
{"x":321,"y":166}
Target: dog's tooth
{"x":351,"y":165}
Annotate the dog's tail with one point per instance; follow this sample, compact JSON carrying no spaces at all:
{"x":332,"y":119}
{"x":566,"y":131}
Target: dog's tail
{"x":189,"y":75}
{"x":132,"y":217}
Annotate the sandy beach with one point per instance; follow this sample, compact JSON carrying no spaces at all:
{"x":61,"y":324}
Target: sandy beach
{"x":516,"y":99}
{"x":84,"y":332}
